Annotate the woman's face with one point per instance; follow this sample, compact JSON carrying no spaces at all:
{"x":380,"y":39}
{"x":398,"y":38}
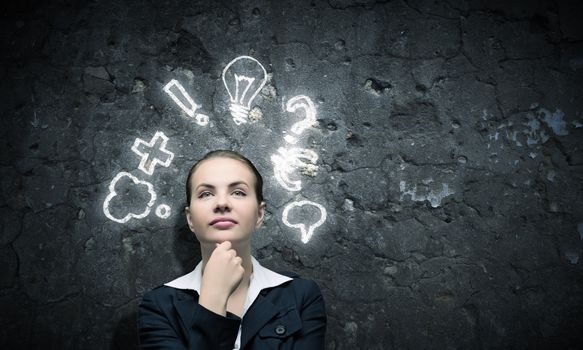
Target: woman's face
{"x":223,"y":204}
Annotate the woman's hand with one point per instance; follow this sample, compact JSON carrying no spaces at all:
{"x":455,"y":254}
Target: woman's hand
{"x":222,"y":274}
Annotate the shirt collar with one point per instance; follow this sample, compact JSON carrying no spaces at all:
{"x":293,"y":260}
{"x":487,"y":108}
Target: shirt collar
{"x":262,"y":278}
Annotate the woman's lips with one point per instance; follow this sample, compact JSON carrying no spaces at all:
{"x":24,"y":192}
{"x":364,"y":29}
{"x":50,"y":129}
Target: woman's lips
{"x":223,"y":223}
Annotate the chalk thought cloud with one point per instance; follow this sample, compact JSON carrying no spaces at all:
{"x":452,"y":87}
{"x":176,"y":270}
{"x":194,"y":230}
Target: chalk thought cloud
{"x":143,"y":185}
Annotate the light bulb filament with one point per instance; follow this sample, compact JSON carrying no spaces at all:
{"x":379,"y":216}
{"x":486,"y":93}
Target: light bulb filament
{"x":238,"y":80}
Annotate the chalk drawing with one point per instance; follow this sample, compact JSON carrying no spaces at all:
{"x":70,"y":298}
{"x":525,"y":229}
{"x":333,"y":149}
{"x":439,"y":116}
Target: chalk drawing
{"x":524,"y":135}
{"x":190,"y":106}
{"x":433,"y":197}
{"x":304,"y":103}
{"x":306,"y":230}
{"x":554,"y":120}
{"x":163,"y":211}
{"x":175,"y":85}
{"x":148,"y":165}
{"x":243,"y":77}
{"x":287,"y":161}
{"x":113,"y":193}
{"x":533,"y":132}
{"x":202,"y":119}
{"x":290,"y":139}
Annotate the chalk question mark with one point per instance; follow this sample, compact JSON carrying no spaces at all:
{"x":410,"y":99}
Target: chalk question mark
{"x":301,"y":102}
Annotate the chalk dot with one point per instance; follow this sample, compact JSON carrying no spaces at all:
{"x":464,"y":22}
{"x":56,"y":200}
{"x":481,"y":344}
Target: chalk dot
{"x":202,"y":119}
{"x":163,"y":211}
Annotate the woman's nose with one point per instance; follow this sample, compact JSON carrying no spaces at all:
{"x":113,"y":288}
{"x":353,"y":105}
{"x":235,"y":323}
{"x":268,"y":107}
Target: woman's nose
{"x":222,"y":203}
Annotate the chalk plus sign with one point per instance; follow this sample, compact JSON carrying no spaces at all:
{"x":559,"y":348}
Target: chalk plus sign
{"x":143,"y":149}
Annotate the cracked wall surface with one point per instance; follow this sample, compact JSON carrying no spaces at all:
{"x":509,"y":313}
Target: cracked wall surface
{"x":450,"y":144}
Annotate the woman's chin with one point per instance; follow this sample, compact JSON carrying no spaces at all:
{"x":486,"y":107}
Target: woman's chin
{"x":226,"y":236}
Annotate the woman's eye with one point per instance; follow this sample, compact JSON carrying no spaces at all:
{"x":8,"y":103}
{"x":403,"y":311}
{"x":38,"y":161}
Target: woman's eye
{"x":239,"y":193}
{"x":204,"y":194}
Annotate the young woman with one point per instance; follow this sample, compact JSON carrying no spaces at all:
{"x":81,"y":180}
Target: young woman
{"x":230,"y":301}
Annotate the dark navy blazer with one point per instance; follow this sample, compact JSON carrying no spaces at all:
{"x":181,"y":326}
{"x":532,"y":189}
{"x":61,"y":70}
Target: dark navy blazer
{"x":289,"y":316}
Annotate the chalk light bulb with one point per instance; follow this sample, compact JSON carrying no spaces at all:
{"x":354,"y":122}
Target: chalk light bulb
{"x":243,"y":77}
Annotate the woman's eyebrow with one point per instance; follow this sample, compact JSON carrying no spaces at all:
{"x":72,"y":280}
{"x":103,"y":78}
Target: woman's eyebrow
{"x":205,"y":185}
{"x":237,"y":183}
{"x":232,"y":184}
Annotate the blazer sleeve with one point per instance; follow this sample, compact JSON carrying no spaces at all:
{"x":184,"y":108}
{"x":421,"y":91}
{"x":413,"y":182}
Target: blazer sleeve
{"x":313,"y":315}
{"x":205,"y":331}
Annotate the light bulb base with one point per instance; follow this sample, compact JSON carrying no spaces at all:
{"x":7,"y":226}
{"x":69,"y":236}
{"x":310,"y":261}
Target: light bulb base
{"x":239,"y":112}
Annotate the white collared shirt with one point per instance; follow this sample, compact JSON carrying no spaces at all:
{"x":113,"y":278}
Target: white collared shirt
{"x":260,"y":279}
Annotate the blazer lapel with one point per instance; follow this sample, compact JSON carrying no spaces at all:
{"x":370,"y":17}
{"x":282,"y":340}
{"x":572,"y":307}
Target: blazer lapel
{"x":185,"y":304}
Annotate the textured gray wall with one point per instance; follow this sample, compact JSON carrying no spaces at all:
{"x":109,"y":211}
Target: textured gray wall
{"x":449,"y":144}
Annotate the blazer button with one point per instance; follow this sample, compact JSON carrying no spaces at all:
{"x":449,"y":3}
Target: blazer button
{"x":280,"y":329}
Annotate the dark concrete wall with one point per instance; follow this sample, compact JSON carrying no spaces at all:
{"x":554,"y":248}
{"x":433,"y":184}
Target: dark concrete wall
{"x":449,"y":144}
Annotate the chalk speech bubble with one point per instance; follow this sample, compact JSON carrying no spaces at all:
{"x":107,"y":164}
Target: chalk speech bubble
{"x":306,"y":230}
{"x":113,"y":193}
